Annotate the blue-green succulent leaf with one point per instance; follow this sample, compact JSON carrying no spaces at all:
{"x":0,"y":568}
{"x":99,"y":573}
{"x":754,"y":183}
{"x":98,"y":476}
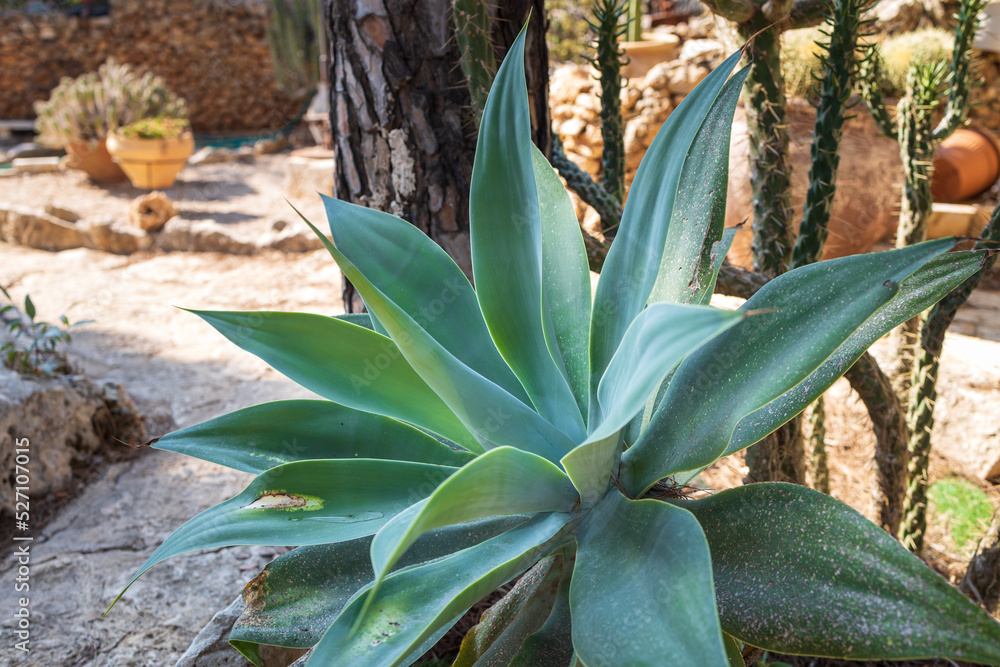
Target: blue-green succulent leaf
{"x":506,"y":625}
{"x":344,"y":363}
{"x":659,"y":338}
{"x":634,"y":260}
{"x":490,"y":413}
{"x":263,"y":436}
{"x":415,"y":602}
{"x":565,"y":280}
{"x":506,"y":238}
{"x":647,"y":565}
{"x":417,"y":275}
{"x":307,"y":502}
{"x":918,"y":293}
{"x":500,"y":482}
{"x":300,"y":594}
{"x":804,"y":316}
{"x":799,"y":572}
{"x":686,"y":273}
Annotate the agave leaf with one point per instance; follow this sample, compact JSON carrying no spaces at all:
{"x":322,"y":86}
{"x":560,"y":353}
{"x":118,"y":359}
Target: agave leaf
{"x":799,"y":572}
{"x":686,"y":273}
{"x":490,"y":413}
{"x":717,"y":256}
{"x":552,"y":644}
{"x":299,"y":594}
{"x":633,"y":262}
{"x":419,"y":277}
{"x":415,"y":602}
{"x":260,"y":437}
{"x":733,"y":652}
{"x":806,"y":315}
{"x":645,"y":564}
{"x":344,"y":363}
{"x":565,"y":280}
{"x":658,"y":339}
{"x":521,"y":612}
{"x":506,"y":241}
{"x":920,"y":291}
{"x":359,"y":319}
{"x":500,"y":482}
{"x":306,"y":502}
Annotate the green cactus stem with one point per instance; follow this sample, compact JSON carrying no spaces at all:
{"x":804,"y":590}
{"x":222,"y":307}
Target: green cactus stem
{"x":871,"y":84}
{"x":770,"y":168}
{"x":838,"y":66}
{"x":608,"y":26}
{"x":475,"y":46}
{"x":634,"y":20}
{"x":923,"y":393}
{"x":295,"y":37}
{"x":960,"y":80}
{"x":818,"y":466}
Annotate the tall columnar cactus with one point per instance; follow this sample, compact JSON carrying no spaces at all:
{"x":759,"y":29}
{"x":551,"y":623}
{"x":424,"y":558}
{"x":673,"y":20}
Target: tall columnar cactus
{"x":296,"y":39}
{"x":608,"y":26}
{"x":770,"y":169}
{"x":923,"y":393}
{"x":634,"y":20}
{"x":916,"y":365}
{"x":839,"y":68}
{"x":472,"y":32}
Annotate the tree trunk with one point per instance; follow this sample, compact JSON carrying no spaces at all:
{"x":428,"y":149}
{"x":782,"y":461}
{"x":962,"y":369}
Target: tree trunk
{"x":403,"y":127}
{"x":400,"y":111}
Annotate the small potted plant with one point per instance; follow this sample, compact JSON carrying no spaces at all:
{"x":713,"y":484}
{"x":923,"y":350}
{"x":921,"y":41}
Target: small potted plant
{"x":81,"y":112}
{"x":152,"y":151}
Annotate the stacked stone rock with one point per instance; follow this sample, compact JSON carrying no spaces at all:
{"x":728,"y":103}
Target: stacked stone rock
{"x":213,"y":53}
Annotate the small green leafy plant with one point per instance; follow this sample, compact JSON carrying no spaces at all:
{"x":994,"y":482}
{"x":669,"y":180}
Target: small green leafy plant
{"x":33,"y":347}
{"x":160,"y":127}
{"x":469,"y":437}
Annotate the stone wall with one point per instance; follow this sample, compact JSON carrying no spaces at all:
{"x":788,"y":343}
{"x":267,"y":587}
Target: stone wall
{"x":213,"y":53}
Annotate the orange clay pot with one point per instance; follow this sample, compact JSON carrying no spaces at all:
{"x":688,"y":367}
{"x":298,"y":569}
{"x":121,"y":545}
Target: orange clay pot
{"x":966,"y":165}
{"x":151,"y":164}
{"x":94,"y":160}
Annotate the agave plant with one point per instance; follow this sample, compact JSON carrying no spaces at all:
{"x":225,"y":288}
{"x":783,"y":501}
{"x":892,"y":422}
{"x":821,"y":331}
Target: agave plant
{"x":468,"y":437}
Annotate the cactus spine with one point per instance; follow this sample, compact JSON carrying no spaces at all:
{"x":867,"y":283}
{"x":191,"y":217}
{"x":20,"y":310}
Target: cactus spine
{"x":923,"y":393}
{"x":475,"y":46}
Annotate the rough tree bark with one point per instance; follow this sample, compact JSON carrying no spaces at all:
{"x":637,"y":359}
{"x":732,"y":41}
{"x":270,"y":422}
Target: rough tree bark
{"x":401,"y":114}
{"x":399,"y":110}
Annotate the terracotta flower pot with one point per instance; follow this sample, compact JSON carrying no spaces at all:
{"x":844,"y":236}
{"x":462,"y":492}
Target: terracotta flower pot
{"x":95,"y":161}
{"x":652,"y":50}
{"x":967,"y":164}
{"x":151,"y":164}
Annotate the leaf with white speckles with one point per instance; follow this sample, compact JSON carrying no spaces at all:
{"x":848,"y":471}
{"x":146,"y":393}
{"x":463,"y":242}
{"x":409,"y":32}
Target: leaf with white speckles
{"x":799,"y":572}
{"x":803,"y":317}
